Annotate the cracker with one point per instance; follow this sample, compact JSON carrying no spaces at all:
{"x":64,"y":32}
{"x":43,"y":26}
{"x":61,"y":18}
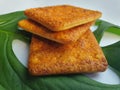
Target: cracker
{"x":67,"y":36}
{"x":83,"y":56}
{"x":62,"y":17}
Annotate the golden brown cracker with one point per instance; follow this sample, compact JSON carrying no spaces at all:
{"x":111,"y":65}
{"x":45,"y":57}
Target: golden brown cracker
{"x":67,"y":36}
{"x":83,"y":56}
{"x":62,"y":17}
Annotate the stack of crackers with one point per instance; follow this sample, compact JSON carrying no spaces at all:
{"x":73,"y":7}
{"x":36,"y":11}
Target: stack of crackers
{"x":62,"y":42}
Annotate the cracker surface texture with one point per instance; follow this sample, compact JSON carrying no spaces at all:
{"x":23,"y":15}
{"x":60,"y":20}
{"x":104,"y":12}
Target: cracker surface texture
{"x":83,"y":56}
{"x":62,"y":17}
{"x":64,"y":37}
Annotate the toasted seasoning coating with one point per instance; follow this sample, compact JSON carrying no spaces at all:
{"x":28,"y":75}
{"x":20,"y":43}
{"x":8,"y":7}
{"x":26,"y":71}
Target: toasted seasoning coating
{"x":83,"y":56}
{"x":62,"y":17}
{"x":67,"y":36}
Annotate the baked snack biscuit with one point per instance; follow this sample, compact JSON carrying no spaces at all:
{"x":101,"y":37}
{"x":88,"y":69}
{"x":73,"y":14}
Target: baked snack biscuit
{"x":83,"y":56}
{"x":64,"y":37}
{"x":62,"y":17}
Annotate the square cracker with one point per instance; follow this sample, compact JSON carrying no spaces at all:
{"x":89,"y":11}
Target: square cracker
{"x":62,"y":17}
{"x":83,"y":56}
{"x":67,"y":36}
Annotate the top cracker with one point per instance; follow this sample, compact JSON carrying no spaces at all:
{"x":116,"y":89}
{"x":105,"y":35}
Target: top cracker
{"x":62,"y":17}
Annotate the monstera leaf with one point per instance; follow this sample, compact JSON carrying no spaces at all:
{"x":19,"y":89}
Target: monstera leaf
{"x":14,"y":76}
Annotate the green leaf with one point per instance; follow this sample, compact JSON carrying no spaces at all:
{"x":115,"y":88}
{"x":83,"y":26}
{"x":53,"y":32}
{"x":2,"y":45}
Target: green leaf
{"x":8,"y":77}
{"x":9,"y":21}
{"x":112,"y":53}
{"x":105,"y":26}
{"x":14,"y":76}
{"x":115,"y":30}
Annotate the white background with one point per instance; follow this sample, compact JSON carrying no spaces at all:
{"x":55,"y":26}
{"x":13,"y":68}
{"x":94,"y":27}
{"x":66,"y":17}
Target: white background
{"x":109,"y":8}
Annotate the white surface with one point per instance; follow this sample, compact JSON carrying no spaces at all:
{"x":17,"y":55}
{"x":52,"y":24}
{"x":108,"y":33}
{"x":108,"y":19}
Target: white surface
{"x":109,"y":38}
{"x":21,"y":50}
{"x":108,"y":77}
{"x":111,"y":13}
